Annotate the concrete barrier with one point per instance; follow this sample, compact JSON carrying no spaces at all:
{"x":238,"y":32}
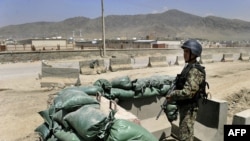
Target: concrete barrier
{"x":69,"y":53}
{"x":206,"y":58}
{"x":89,"y":67}
{"x":242,"y":118}
{"x":45,"y":64}
{"x":227,"y":57}
{"x":244,"y":57}
{"x":146,"y":109}
{"x":140,"y":62}
{"x":59,"y":77}
{"x":101,"y":67}
{"x":123,"y":63}
{"x":106,"y":106}
{"x":179,"y":60}
{"x":210,"y":122}
{"x":157,"y":61}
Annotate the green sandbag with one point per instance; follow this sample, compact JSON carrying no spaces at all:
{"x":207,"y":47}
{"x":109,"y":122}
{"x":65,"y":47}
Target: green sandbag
{"x":52,"y":138}
{"x":164,"y":89}
{"x":91,"y":90}
{"x":66,"y":136}
{"x":104,"y":84}
{"x":171,"y":111}
{"x":86,"y":121}
{"x":158,"y":80}
{"x":122,"y":83}
{"x":68,"y":90}
{"x":139,"y":85}
{"x":121,"y":94}
{"x":73,"y":100}
{"x":124,"y":130}
{"x":45,"y":115}
{"x":148,"y":92}
{"x":58,"y":117}
{"x":44,"y":131}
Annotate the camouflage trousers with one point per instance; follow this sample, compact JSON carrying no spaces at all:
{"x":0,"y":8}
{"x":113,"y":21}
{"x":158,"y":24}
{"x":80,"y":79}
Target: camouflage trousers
{"x":188,"y":114}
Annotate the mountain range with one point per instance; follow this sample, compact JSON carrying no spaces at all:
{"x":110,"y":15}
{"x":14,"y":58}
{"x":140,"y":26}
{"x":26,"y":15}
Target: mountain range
{"x":171,"y":24}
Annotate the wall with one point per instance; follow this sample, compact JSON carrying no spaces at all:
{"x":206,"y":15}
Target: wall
{"x":63,"y":54}
{"x":46,"y":43}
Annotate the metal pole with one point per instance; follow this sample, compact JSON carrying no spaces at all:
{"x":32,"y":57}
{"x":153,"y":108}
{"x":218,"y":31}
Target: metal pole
{"x":103,"y":32}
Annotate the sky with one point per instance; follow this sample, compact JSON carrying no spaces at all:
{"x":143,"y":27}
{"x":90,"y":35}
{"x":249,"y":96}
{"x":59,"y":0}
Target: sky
{"x":14,"y":12}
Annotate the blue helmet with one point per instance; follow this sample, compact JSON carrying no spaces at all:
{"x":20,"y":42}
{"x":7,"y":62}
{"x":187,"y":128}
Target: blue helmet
{"x":194,"y":46}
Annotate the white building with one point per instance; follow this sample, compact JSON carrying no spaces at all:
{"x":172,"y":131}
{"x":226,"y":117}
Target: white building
{"x":49,"y":42}
{"x":170,"y":44}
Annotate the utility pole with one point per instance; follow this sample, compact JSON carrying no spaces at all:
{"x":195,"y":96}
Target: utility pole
{"x":103,"y":32}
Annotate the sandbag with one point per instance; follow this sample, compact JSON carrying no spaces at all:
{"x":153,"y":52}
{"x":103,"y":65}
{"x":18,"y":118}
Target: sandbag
{"x":58,"y":117}
{"x":63,"y":135}
{"x":52,"y":138}
{"x":91,"y":90}
{"x":122,"y":83}
{"x":73,"y":100}
{"x":104,"y":84}
{"x":86,"y":121}
{"x":44,"y":131}
{"x":46,"y":116}
{"x":164,"y":89}
{"x":148,"y":92}
{"x":171,"y":111}
{"x":124,"y":130}
{"x":121,"y":94}
{"x":139,"y":85}
{"x":158,"y":81}
{"x":68,"y":90}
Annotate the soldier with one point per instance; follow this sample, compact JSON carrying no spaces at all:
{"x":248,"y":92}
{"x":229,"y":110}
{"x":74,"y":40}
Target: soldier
{"x":189,"y":85}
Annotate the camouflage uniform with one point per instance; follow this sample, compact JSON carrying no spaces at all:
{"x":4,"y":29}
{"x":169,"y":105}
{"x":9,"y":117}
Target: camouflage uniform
{"x":187,"y":106}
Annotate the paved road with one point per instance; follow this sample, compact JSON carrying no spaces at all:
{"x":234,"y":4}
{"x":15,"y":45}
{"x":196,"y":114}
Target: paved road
{"x":12,"y":70}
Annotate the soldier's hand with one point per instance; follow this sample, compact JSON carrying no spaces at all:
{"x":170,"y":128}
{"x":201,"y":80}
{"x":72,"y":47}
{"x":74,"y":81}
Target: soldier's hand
{"x":168,"y":97}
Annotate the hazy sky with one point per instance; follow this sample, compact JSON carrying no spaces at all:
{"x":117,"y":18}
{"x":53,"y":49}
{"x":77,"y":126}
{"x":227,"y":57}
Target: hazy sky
{"x":14,"y":12}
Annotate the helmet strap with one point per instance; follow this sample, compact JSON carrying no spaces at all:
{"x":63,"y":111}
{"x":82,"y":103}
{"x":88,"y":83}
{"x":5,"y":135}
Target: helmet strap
{"x":191,"y":59}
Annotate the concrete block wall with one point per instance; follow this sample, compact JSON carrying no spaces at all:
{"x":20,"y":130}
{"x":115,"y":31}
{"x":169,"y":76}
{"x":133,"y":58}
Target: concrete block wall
{"x":242,"y":118}
{"x":210,"y":122}
{"x":58,"y":76}
{"x":179,"y":60}
{"x":85,"y":67}
{"x":206,"y":58}
{"x":147,"y":109}
{"x":123,"y":63}
{"x":140,"y":62}
{"x":91,"y":67}
{"x":227,"y":57}
{"x":244,"y":57}
{"x":157,"y":61}
{"x":10,"y":56}
{"x":106,"y":105}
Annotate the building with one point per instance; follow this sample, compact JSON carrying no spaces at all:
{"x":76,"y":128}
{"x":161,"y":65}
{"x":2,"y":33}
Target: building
{"x":170,"y":44}
{"x":49,"y":42}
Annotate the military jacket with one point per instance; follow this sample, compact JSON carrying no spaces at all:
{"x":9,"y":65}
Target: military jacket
{"x":193,"y":79}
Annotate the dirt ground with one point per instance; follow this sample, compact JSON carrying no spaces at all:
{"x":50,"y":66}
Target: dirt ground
{"x":21,"y":97}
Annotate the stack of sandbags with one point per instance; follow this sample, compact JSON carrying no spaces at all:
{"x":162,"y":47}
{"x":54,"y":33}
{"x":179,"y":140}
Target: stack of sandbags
{"x":76,"y":115}
{"x":123,"y":88}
